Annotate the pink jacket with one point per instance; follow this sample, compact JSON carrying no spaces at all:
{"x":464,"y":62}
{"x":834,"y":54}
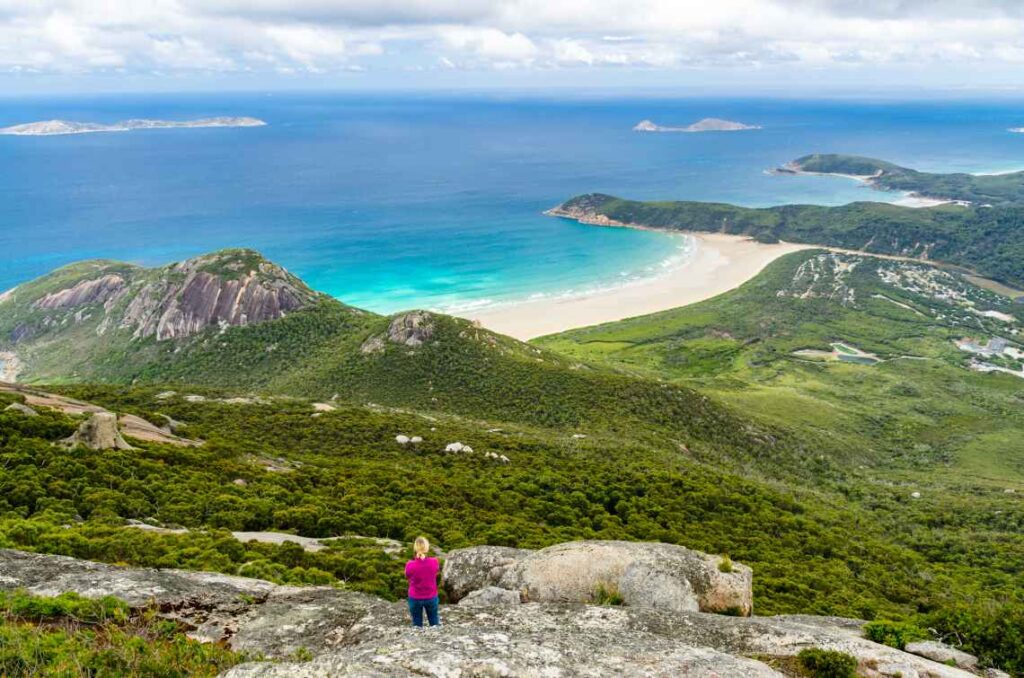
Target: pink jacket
{"x":422,"y":576}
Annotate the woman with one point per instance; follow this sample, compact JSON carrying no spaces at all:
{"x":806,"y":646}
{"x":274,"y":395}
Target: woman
{"x":421,"y":572}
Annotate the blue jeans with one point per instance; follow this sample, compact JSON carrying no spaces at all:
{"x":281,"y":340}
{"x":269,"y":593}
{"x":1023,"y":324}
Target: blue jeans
{"x":417,"y":607}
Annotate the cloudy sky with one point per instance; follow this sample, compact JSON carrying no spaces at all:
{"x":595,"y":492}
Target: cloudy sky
{"x":61,"y":45}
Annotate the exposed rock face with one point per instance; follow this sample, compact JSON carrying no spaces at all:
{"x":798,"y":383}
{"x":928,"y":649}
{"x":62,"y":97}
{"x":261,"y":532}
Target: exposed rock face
{"x":467,"y":570}
{"x":140,"y":429}
{"x":99,"y":432}
{"x":410,"y":329}
{"x":491,"y":596}
{"x":228,"y":288}
{"x":942,"y":653}
{"x":661,"y":576}
{"x":251,"y":614}
{"x":191,"y":298}
{"x":95,"y":291}
{"x":586,"y":209}
{"x":352,"y":634}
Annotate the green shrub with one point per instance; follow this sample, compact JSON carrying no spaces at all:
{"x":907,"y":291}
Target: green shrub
{"x":68,"y":636}
{"x":608,"y":594}
{"x":725,"y":564}
{"x":893,"y":633}
{"x":827,"y":663}
{"x":993,"y":633}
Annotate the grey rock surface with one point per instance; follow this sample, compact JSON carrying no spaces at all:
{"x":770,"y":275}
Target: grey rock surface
{"x":662,"y":576}
{"x":99,"y":432}
{"x":197,"y":294}
{"x":351,"y":634}
{"x":940,"y":652}
{"x":466,"y":570}
{"x":248,"y":614}
{"x":95,"y":291}
{"x":411,"y":330}
{"x":490,"y":596}
{"x":21,"y":408}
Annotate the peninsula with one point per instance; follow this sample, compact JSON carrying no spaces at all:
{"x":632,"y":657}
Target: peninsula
{"x":978,"y":189}
{"x":981,"y":232}
{"x":61,"y":127}
{"x":705,"y":125}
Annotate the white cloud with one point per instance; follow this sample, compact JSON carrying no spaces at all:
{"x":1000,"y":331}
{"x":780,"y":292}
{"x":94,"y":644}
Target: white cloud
{"x":308,"y":45}
{"x":323,"y":36}
{"x":488,"y":43}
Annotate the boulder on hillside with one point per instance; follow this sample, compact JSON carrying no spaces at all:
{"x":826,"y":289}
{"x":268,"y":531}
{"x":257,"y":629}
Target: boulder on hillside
{"x":409,"y":329}
{"x":99,"y":432}
{"x":490,"y":596}
{"x":21,"y":408}
{"x":468,"y":570}
{"x":662,"y":576}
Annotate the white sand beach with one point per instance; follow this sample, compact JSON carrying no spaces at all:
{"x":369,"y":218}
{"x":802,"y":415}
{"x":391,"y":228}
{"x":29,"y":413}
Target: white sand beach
{"x":720,"y":263}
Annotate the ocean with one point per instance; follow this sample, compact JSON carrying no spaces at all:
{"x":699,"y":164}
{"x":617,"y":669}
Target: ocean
{"x":406,"y":201}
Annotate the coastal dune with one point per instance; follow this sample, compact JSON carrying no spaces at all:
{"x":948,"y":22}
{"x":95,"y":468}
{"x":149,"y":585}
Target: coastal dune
{"x":719,"y":263}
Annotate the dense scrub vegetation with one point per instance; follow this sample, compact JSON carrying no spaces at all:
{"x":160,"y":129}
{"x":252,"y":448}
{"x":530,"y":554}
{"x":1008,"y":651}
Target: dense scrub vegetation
{"x":989,"y":240}
{"x":72,"y":636}
{"x":348,"y":476}
{"x":918,"y":422}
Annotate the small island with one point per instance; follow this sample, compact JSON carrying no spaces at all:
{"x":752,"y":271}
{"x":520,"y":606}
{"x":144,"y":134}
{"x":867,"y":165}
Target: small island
{"x":705,"y":125}
{"x":60,"y":127}
{"x":1018,"y":130}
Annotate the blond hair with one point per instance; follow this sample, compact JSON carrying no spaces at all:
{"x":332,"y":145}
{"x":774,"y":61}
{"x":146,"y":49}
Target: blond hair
{"x":420,"y":547}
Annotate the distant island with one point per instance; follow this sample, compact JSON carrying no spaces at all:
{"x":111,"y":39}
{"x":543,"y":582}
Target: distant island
{"x":58,"y":127}
{"x":705,"y":125}
{"x":1018,"y":130}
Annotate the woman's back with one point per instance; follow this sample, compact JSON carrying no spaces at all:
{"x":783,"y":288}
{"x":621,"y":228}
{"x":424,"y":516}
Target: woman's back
{"x":422,"y":576}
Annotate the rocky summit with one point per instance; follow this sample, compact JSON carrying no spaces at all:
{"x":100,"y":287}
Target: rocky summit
{"x":81,"y":314}
{"x":344,"y":633}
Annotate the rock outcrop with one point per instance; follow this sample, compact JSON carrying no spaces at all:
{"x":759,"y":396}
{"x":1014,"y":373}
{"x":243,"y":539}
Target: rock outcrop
{"x":21,"y":408}
{"x":224,"y":289}
{"x":249,"y":614}
{"x":140,"y":429}
{"x":99,"y":432}
{"x":661,"y":576}
{"x":96,"y":291}
{"x":942,"y":653}
{"x":351,"y":634}
{"x":411,"y":330}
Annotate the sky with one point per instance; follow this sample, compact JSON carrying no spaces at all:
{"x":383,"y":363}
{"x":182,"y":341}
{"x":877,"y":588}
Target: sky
{"x":690,"y":46}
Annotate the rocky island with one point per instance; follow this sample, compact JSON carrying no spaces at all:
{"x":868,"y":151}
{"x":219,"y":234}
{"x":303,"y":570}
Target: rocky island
{"x":705,"y":125}
{"x":61,"y":127}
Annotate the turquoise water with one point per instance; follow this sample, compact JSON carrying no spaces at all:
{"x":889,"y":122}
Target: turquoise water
{"x":399,"y":201}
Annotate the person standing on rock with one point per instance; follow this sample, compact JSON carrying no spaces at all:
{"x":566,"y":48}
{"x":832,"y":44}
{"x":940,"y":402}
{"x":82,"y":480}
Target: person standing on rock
{"x":421,"y":572}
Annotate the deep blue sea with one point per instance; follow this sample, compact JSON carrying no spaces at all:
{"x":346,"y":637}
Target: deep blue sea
{"x":393,"y":202}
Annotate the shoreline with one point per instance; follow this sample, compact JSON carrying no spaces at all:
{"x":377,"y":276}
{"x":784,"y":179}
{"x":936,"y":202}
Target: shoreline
{"x":910,"y":199}
{"x":718,"y":264}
